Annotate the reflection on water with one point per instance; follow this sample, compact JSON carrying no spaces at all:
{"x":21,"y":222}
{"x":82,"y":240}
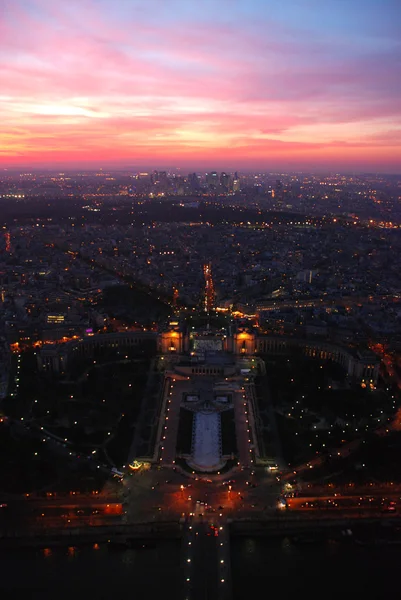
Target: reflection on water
{"x":129,"y":557}
{"x":287,"y":548}
{"x":98,"y":570}
{"x":284,"y":569}
{"x":249,"y":546}
{"x":275,"y":568}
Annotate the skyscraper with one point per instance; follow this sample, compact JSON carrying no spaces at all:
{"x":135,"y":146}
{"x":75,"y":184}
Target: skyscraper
{"x":194,"y":182}
{"x":212,"y":180}
{"x":224,"y":182}
{"x":279,"y":191}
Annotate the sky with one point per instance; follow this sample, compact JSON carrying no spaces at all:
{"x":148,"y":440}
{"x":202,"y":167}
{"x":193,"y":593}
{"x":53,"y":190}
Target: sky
{"x":197,"y":84}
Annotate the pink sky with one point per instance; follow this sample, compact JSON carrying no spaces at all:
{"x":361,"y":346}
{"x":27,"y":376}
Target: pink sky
{"x":175,"y":83}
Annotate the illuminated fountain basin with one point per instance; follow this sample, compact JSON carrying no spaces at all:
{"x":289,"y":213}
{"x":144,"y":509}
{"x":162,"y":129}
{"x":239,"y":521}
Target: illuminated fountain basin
{"x":206,"y":442}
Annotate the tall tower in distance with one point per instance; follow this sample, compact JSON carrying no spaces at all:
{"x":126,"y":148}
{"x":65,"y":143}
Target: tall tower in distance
{"x":236,"y":183}
{"x":224,"y":182}
{"x":212,"y":180}
{"x":194,"y":182}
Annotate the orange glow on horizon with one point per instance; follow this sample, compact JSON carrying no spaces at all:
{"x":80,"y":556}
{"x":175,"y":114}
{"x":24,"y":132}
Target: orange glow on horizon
{"x":88,"y":84}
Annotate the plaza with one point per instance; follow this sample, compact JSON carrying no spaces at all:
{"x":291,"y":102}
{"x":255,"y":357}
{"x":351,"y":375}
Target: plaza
{"x":205,"y":386}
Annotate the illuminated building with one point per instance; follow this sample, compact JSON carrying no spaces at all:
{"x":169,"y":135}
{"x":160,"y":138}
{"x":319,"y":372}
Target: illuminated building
{"x":55,"y":319}
{"x":171,"y":341}
{"x":361,"y":366}
{"x":194,"y":182}
{"x":52,"y":360}
{"x":244,"y":342}
{"x":224,"y":182}
{"x":212,"y":180}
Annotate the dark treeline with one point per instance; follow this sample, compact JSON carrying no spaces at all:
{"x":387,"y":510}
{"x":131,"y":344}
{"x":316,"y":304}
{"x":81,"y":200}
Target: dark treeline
{"x":127,"y":212}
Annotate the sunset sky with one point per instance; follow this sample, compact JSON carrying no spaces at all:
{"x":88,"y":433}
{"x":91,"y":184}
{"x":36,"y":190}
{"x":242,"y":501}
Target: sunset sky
{"x":233,"y":84}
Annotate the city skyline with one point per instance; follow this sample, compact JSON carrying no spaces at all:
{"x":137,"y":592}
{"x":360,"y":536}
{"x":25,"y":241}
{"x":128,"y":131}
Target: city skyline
{"x":227,"y":85}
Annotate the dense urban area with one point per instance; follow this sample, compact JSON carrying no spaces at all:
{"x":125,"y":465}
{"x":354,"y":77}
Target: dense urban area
{"x":204,"y":353}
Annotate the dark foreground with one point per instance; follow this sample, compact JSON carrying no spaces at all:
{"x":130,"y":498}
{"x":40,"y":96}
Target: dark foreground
{"x":261,"y":567}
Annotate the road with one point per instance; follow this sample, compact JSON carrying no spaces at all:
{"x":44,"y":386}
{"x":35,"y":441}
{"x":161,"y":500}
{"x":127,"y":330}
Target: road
{"x":167,"y":495}
{"x":358,"y":502}
{"x":176,"y":493}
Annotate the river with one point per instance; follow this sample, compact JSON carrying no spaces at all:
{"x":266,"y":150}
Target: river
{"x":262,"y":568}
{"x":279,"y":568}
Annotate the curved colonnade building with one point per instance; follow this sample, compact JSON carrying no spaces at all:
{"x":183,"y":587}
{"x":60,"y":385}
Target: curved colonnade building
{"x":361,"y":366}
